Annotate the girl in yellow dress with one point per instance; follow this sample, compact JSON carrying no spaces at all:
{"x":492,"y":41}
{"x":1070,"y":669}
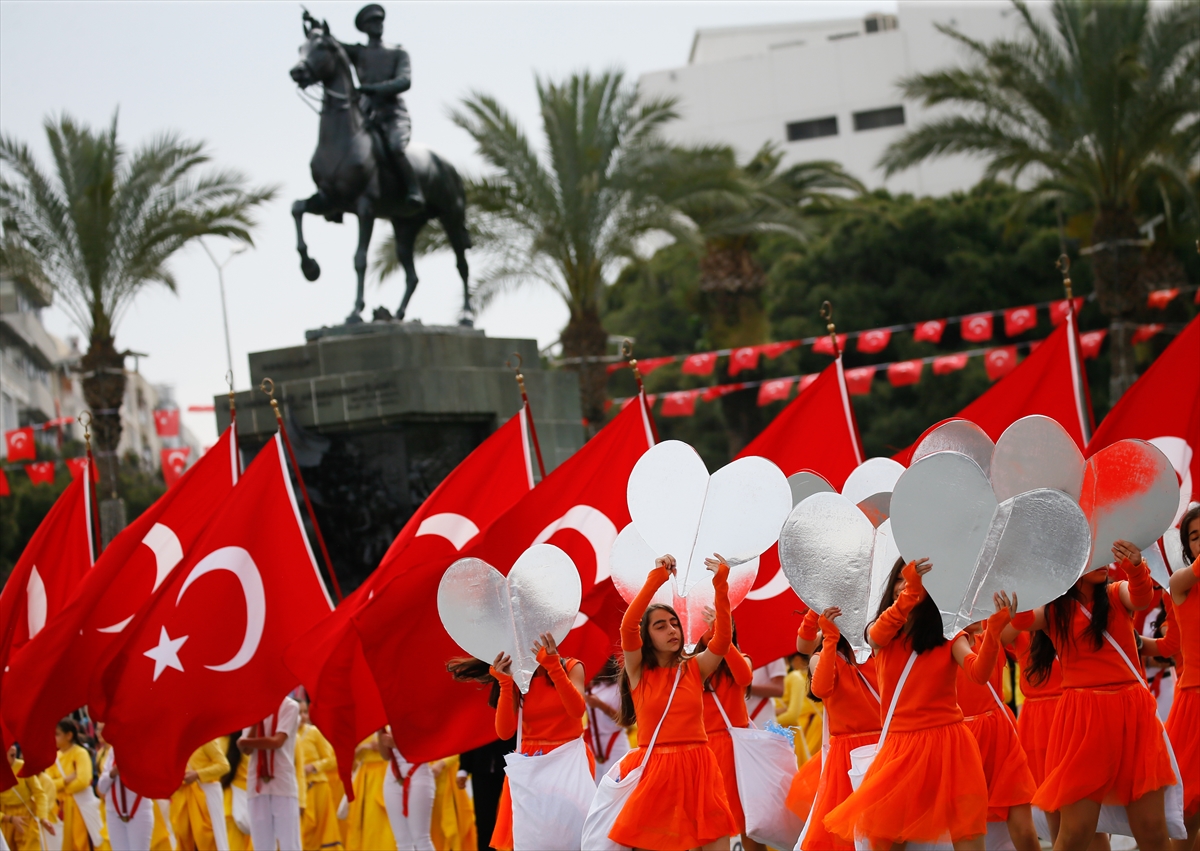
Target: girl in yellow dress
{"x":72,"y":777}
{"x":453,"y":827}
{"x":237,"y":815}
{"x":26,"y":810}
{"x":197,"y":809}
{"x":370,"y":829}
{"x":319,"y":823}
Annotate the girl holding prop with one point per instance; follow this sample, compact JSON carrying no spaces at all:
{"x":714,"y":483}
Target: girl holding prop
{"x":1183,"y":724}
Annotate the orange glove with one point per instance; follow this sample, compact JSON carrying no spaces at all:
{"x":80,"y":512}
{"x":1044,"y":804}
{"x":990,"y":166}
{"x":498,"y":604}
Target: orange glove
{"x":631,"y":622}
{"x":1169,"y":644}
{"x":825,"y":677}
{"x":890,"y":623}
{"x":980,"y":666}
{"x":506,"y":707}
{"x":808,"y":628}
{"x":722,"y":638}
{"x":1141,"y":586}
{"x":571,"y":699}
{"x":1023,"y":620}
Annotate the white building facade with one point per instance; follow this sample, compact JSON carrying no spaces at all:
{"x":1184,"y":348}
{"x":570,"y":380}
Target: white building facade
{"x":826,"y":90}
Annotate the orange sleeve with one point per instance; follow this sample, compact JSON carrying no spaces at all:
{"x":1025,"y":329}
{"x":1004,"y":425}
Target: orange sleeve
{"x":1023,"y":621}
{"x":888,"y":624}
{"x":506,"y":707}
{"x":739,"y":666}
{"x":980,"y":666}
{"x":808,"y":628}
{"x":631,"y":638}
{"x":1141,"y":586}
{"x":1168,"y":645}
{"x":722,"y":638}
{"x":825,"y":677}
{"x":572,"y":700}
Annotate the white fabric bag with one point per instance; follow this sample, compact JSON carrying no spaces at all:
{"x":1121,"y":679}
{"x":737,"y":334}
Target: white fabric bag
{"x":89,"y":809}
{"x":1113,"y":818}
{"x":765,"y":766}
{"x":614,"y":790}
{"x":862,"y":757}
{"x":551,"y":794}
{"x":241,"y":809}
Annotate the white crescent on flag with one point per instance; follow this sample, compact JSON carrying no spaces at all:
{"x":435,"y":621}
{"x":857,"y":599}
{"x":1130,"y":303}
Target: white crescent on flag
{"x":455,"y":528}
{"x":35,"y":602}
{"x":594,"y":525}
{"x":238,"y":562}
{"x":168,"y":552}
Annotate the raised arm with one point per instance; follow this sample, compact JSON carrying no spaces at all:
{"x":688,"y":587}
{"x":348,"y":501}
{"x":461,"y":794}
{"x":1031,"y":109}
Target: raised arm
{"x":722,"y":638}
{"x":1138,"y":592}
{"x":979,"y":666}
{"x":806,"y":636}
{"x":631,"y":621}
{"x":569,"y":686}
{"x":889,"y":624}
{"x":506,"y":706}
{"x":824,"y":672}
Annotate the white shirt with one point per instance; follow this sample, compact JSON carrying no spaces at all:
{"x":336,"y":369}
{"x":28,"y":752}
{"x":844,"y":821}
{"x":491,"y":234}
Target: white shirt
{"x":283,"y":783}
{"x":762,"y":705}
{"x":601,"y":727}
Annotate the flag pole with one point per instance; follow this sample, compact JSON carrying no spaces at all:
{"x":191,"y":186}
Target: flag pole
{"x":90,"y":484}
{"x":537,"y":447}
{"x":1083,"y":397}
{"x":627,"y":353}
{"x":268,"y":386}
{"x":827,"y":315}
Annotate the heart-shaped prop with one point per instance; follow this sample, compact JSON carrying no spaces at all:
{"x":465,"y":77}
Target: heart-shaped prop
{"x":961,"y":436}
{"x":679,"y":509}
{"x":1130,"y":492}
{"x":631,"y":559}
{"x":486,"y":613}
{"x":1036,"y":543}
{"x":869,"y":486}
{"x":1036,"y":452}
{"x":805,"y":483}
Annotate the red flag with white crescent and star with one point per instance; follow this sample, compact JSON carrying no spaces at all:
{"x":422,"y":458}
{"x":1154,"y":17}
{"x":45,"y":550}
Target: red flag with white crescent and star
{"x":45,"y":577}
{"x":328,"y":659}
{"x":55,"y":667}
{"x":19,"y":445}
{"x":579,"y":507}
{"x":205,"y":655}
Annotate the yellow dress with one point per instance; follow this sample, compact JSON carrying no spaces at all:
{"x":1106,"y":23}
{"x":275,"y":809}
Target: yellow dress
{"x":803,"y":715}
{"x":189,"y":806}
{"x":238,"y":841}
{"x":319,"y":822}
{"x":370,"y":829}
{"x":453,"y":827}
{"x":31,"y":799}
{"x":74,"y":760}
{"x":160,"y":835}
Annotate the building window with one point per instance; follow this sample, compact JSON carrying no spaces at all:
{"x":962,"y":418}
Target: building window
{"x":873,"y":119}
{"x":814,"y":129}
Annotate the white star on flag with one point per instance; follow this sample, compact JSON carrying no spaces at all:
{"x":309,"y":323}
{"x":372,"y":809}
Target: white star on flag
{"x":166,"y":654}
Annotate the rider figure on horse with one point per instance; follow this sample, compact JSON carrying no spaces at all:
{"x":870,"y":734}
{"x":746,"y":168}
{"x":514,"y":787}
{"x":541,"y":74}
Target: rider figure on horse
{"x":383,"y":74}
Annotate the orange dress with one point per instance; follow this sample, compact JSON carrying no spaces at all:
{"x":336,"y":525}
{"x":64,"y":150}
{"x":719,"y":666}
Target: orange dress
{"x":680,"y":800}
{"x":1106,"y":742}
{"x":1009,"y":780}
{"x":1037,"y":712}
{"x":552,"y":717}
{"x":854,"y":718}
{"x":1183,"y":724}
{"x":731,"y":691}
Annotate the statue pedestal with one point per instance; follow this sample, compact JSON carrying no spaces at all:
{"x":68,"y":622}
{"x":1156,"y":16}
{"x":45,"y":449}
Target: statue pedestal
{"x":380,"y":413}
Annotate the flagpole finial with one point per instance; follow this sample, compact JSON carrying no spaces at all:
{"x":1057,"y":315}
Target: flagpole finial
{"x":537,"y":447}
{"x":827,"y":315}
{"x":1063,"y":264}
{"x":627,"y":353}
{"x":517,"y":371}
{"x":268,"y":386}
{"x":85,"y":420}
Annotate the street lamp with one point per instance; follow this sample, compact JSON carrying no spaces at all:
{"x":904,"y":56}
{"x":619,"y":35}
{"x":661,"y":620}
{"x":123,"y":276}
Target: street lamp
{"x":221,"y":282}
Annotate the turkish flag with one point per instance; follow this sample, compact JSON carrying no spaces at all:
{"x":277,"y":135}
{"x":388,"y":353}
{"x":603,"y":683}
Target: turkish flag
{"x":711,"y":394}
{"x":744,"y":358}
{"x":858,"y":381}
{"x":579,"y":507}
{"x":681,"y":403}
{"x":977,"y":327}
{"x":774,"y":350}
{"x":1059,"y":309}
{"x":1000,"y":361}
{"x":807,"y":381}
{"x":929,"y":331}
{"x":1146,"y":332}
{"x":205,"y":655}
{"x":1159,"y":299}
{"x":174,"y":462}
{"x":41,"y":472}
{"x":701,"y":364}
{"x":824,"y":344}
{"x":76,"y":467}
{"x":4,"y":488}
{"x":45,"y":577}
{"x":166,"y":422}
{"x":816,"y":431}
{"x":1163,"y":407}
{"x":947,"y":364}
{"x":648,"y":365}
{"x":775,"y":390}
{"x":875,"y":341}
{"x":1090,"y":343}
{"x":1018,"y":320}
{"x":905,"y":372}
{"x":329,"y":660}
{"x":19,"y":443}
{"x":54,"y":668}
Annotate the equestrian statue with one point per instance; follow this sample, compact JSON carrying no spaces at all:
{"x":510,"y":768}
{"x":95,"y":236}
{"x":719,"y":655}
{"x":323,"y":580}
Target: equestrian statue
{"x":364,"y":164}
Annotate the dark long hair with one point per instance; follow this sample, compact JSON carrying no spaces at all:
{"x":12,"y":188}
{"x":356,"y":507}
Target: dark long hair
{"x":1059,"y":615}
{"x":628,"y":714}
{"x":71,"y":728}
{"x":234,"y":755}
{"x":468,"y":669}
{"x":722,"y":671}
{"x":1189,"y":517}
{"x":925,"y":629}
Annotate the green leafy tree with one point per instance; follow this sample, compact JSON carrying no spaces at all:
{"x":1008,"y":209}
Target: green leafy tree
{"x":101,"y":227}
{"x":1092,"y":109}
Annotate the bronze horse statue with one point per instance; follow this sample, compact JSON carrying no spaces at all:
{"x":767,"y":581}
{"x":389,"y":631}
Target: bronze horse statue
{"x":353,"y":175}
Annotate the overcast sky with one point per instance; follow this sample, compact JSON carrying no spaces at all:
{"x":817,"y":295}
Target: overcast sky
{"x":217,"y":71}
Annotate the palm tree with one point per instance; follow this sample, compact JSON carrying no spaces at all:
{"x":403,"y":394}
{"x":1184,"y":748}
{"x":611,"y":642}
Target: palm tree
{"x":103,"y":227}
{"x":1096,"y":106}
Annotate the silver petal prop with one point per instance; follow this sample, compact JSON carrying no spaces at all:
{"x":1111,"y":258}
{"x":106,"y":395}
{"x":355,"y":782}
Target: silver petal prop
{"x":882,"y":561}
{"x":826,"y":548}
{"x":960,"y":436}
{"x":805,"y":483}
{"x":631,"y":559}
{"x":679,"y":509}
{"x":1036,"y":452}
{"x":1131,"y":493}
{"x":1179,"y":453}
{"x":487,"y":613}
{"x":871,"y":477}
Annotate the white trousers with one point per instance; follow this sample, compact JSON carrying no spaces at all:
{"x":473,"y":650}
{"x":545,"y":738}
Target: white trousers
{"x":133,"y":834}
{"x":214,"y":796}
{"x":274,"y":819}
{"x":412,"y":832}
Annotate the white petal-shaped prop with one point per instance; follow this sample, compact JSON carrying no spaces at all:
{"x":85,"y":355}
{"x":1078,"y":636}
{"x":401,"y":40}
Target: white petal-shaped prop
{"x":1130,"y":493}
{"x":631,"y":559}
{"x":679,"y":509}
{"x":870,"y":485}
{"x":805,"y":483}
{"x":1036,"y":452}
{"x":486,"y":613}
{"x":960,"y":436}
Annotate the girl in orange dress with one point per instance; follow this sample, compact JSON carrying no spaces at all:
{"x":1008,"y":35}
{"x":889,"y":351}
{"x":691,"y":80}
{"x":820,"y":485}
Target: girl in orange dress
{"x":1183,"y":724}
{"x":679,"y":802}
{"x":1106,"y":744}
{"x":850,"y":693}
{"x":927,"y":779}
{"x":552,"y":717}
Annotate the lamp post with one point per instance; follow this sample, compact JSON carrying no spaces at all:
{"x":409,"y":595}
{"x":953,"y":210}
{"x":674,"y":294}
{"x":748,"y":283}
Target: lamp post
{"x":221,"y":283}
